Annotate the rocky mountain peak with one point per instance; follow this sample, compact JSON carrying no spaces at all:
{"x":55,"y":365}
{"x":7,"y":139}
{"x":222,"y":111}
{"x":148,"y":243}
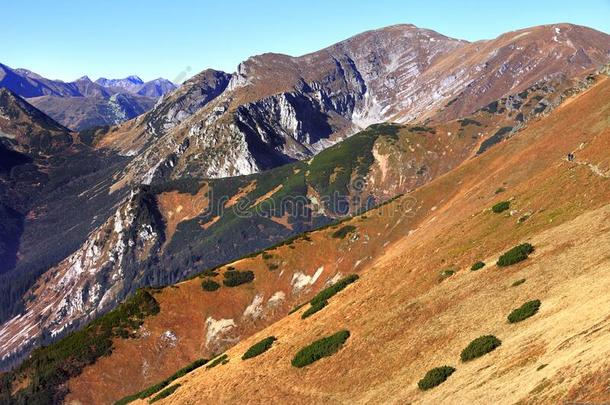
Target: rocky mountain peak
{"x":134,"y":79}
{"x":278,"y":107}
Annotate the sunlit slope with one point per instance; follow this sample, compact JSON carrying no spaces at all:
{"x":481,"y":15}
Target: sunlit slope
{"x":405,"y":318}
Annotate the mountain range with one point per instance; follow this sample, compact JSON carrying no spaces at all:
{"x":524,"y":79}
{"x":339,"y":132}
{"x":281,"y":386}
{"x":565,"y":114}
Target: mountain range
{"x":83,"y":104}
{"x":277,"y":108}
{"x":209,"y":222}
{"x":133,"y":84}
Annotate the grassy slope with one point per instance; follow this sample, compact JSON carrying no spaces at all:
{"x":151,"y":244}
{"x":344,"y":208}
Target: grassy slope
{"x":299,"y":258}
{"x":404,"y":321}
{"x":366,"y":169}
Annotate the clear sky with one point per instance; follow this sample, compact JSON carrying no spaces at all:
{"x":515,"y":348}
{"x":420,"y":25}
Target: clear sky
{"x":65,"y":39}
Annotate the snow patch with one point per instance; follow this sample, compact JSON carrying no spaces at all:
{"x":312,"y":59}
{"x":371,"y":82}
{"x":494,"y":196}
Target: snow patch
{"x":216,"y":328}
{"x":301,"y":280}
{"x":276,"y":299}
{"x":169,"y":338}
{"x":255,"y":309}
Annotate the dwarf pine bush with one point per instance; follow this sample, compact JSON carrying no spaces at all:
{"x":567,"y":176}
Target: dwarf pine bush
{"x":165,"y":393}
{"x":342,"y":232}
{"x":321,"y":348}
{"x":501,"y":207}
{"x":477,"y":266}
{"x":209,"y":285}
{"x":329,"y":292}
{"x":435,"y":377}
{"x":479,"y":347}
{"x":222,"y":359}
{"x":515,"y":255}
{"x":259,"y":348}
{"x":233,"y":278}
{"x":518,"y":282}
{"x":524,"y":311}
{"x":314,"y":308}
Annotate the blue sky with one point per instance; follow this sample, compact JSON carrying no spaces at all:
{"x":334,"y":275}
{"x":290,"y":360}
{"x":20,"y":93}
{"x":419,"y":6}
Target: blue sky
{"x":67,"y":39}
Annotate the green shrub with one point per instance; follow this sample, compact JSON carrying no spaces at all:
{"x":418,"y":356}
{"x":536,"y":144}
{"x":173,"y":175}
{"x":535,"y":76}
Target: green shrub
{"x":480,"y":346}
{"x":515,"y":255}
{"x":342,"y":232}
{"x":524,"y":311}
{"x":259,"y":348}
{"x":500,"y":190}
{"x":423,"y":129}
{"x":185,"y":370}
{"x":477,"y":266}
{"x":233,"y":278}
{"x":222,"y":359}
{"x":321,"y":299}
{"x":165,"y":393}
{"x":321,"y":348}
{"x":314,"y":308}
{"x":209,"y":285}
{"x":127,"y":399}
{"x":159,"y":386}
{"x":273,"y":266}
{"x":267,"y":256}
{"x":329,"y":292}
{"x":501,"y":207}
{"x":518,"y":282}
{"x":435,"y":377}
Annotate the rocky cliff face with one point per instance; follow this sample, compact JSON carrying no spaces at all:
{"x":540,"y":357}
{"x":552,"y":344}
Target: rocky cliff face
{"x":278,"y":108}
{"x":91,"y":280}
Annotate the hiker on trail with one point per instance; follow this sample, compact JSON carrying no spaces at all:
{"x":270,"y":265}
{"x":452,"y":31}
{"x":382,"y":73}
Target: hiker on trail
{"x":570,"y":157}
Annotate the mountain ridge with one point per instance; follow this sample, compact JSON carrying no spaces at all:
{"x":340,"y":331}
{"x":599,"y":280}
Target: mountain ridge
{"x":82,"y":103}
{"x":258,"y":120}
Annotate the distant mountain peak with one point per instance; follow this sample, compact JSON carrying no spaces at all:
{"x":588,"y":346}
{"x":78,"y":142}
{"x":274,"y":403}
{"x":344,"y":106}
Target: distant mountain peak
{"x":135,"y":85}
{"x":134,"y":79}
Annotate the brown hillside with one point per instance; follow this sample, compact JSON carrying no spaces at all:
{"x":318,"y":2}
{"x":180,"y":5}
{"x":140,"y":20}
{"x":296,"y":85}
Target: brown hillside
{"x":404,"y":320}
{"x":437,"y":150}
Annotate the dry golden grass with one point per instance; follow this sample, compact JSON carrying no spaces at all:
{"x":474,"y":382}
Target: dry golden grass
{"x":177,"y":207}
{"x":403,"y":320}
